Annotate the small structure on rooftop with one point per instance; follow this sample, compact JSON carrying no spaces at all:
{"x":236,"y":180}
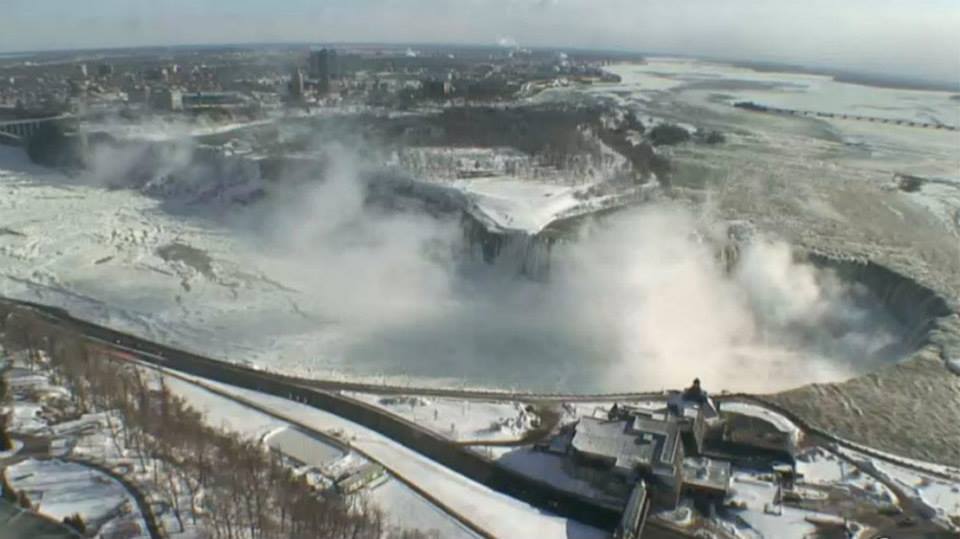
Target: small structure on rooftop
{"x":706,"y":480}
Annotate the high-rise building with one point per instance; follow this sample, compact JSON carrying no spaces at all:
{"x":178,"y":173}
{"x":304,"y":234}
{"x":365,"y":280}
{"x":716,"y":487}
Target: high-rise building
{"x":296,"y":84}
{"x":324,"y":67}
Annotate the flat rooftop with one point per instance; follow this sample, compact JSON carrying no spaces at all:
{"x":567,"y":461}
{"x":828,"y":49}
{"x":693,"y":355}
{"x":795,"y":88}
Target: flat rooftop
{"x":705,"y":472}
{"x":303,"y":447}
{"x":638,"y":441}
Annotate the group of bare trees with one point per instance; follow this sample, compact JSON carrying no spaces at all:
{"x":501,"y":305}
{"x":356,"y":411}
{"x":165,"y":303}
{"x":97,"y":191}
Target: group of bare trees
{"x":232,"y":487}
{"x":5,"y":443}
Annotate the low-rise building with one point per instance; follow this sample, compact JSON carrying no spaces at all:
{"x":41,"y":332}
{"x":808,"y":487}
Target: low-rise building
{"x":662,"y":448}
{"x":614,"y":454}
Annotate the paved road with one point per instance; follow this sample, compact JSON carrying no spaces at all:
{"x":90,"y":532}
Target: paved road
{"x":153,"y":527}
{"x":134,"y":348}
{"x":653,"y":530}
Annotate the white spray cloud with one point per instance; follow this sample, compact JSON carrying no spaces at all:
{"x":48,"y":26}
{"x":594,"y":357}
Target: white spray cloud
{"x":356,"y":265}
{"x":640,"y":302}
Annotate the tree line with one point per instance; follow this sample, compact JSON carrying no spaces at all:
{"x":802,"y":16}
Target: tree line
{"x":233,"y":488}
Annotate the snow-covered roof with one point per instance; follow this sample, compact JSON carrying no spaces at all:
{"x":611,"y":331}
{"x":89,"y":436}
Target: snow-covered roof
{"x":638,"y":441}
{"x":707,"y":473}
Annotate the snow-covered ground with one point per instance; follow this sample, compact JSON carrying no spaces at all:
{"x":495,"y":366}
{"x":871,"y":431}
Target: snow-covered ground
{"x":225,"y":413}
{"x":826,"y":469}
{"x":941,"y":496}
{"x":404,"y":508}
{"x":497,"y":514}
{"x":654,"y":87}
{"x":68,"y":241}
{"x":799,"y":91}
{"x":821,"y":468}
{"x":516,"y":204}
{"x":87,"y":438}
{"x":460,"y":420}
{"x":26,"y":418}
{"x":30,"y":388}
{"x":952,"y":471}
{"x":60,"y":489}
{"x":760,"y":518}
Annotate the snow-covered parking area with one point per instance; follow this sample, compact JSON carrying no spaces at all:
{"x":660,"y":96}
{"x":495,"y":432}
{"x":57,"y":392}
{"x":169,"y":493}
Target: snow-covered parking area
{"x":60,"y":489}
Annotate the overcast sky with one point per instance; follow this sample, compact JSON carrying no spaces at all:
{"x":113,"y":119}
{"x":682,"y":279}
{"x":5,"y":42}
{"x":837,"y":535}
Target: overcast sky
{"x":914,"y":38}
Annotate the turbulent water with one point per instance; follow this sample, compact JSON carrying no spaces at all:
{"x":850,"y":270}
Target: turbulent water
{"x":312,"y":279}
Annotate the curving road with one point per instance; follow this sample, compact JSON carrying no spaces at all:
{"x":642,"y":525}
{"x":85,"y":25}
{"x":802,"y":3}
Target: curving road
{"x":153,"y":527}
{"x":326,"y":395}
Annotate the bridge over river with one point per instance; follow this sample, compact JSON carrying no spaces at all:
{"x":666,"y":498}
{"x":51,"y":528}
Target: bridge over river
{"x":17,"y":131}
{"x":756,"y":107}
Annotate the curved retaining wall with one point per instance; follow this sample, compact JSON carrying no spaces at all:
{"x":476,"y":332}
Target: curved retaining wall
{"x":458,"y":458}
{"x":917,"y":307}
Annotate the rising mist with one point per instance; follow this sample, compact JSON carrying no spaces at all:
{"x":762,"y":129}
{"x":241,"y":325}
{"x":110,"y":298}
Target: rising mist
{"x":638,"y":301}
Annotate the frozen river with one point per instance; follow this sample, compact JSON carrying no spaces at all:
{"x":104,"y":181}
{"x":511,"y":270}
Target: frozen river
{"x":315,"y":284}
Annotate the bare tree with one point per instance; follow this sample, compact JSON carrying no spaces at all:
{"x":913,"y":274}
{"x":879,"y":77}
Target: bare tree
{"x":237,"y":489}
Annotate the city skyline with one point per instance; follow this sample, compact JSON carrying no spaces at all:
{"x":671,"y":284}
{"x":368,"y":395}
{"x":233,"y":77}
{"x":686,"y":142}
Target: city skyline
{"x":890,"y":37}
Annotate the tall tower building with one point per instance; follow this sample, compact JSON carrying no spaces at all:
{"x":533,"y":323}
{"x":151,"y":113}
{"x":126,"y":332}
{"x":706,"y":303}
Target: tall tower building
{"x":324,"y":67}
{"x":296,"y":84}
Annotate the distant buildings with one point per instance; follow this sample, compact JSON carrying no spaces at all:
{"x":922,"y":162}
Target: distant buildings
{"x":324,"y":67}
{"x":432,"y":88}
{"x":168,"y":99}
{"x":158,"y":74}
{"x":139,"y":95}
{"x":297,"y":85}
{"x":215,"y":100}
